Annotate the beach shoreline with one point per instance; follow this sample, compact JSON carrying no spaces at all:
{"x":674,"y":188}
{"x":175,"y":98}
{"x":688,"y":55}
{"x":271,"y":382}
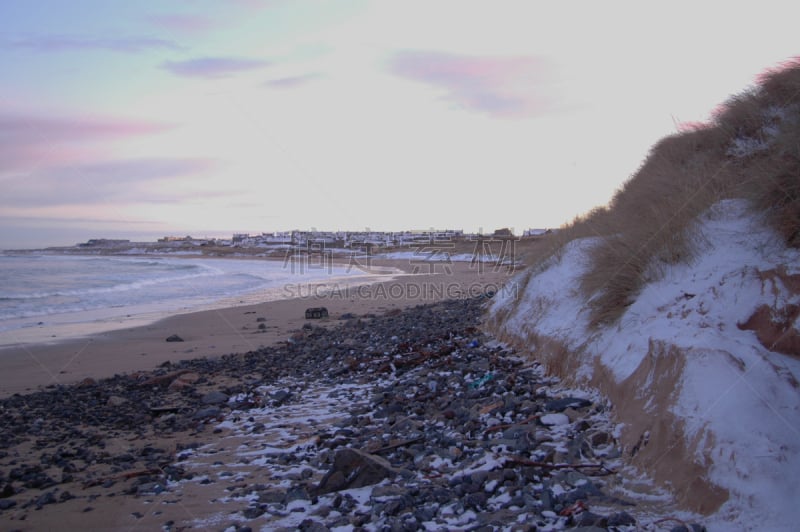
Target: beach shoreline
{"x":237,"y":328}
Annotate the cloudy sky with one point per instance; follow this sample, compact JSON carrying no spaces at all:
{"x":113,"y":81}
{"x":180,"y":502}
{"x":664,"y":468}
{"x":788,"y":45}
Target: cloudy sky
{"x":141,"y":119}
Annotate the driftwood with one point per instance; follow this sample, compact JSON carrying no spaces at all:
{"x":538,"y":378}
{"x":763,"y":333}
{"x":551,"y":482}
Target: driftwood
{"x":546,"y":465}
{"x":122,"y":476}
{"x":398,"y":444}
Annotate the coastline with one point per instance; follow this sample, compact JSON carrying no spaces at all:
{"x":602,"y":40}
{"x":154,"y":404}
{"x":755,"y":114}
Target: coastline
{"x":60,"y":326}
{"x":236,"y":328}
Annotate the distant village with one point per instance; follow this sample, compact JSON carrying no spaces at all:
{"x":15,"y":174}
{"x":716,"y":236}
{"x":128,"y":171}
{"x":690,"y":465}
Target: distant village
{"x":368,"y":241}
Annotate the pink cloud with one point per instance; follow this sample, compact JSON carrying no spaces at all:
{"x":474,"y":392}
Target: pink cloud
{"x":118,"y":180}
{"x":213,"y":67}
{"x":292,"y":81}
{"x":63,"y":43}
{"x":32,"y":140}
{"x":183,"y":22}
{"x":499,"y":86}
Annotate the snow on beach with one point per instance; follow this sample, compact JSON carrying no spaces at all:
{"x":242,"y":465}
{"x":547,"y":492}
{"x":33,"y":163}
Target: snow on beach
{"x":681,"y":343}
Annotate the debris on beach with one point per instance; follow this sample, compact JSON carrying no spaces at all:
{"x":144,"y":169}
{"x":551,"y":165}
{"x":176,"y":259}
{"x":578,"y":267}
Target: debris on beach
{"x":412,"y":421}
{"x":316,"y":313}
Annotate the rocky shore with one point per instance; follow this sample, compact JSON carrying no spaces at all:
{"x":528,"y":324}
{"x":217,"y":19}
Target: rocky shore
{"x":413,"y":419}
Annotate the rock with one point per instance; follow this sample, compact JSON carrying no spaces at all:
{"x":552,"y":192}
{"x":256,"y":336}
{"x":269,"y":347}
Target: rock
{"x":5,"y":504}
{"x":401,"y":386}
{"x":184,"y":380}
{"x":174,"y":338}
{"x":693,"y":527}
{"x":116,"y":401}
{"x":46,"y":498}
{"x":554,"y":419}
{"x":621,"y":519}
{"x":355,"y":469}
{"x":280,"y":397}
{"x":214,"y":398}
{"x":253,"y":512}
{"x":309,"y":525}
{"x":296,"y":493}
{"x":559,"y":405}
{"x":588,"y":519}
{"x":204,"y":413}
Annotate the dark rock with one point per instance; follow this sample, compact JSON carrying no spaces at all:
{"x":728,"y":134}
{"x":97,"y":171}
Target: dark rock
{"x":296,"y":493}
{"x":693,"y":527}
{"x":253,"y":512}
{"x":174,"y":338}
{"x":476,"y":500}
{"x":621,"y":519}
{"x":316,"y":313}
{"x":559,"y":405}
{"x":46,"y":498}
{"x":585,"y":519}
{"x":214,"y":398}
{"x":355,"y":469}
{"x":309,"y":525}
{"x":204,"y":413}
{"x":5,"y":504}
{"x":280,"y":397}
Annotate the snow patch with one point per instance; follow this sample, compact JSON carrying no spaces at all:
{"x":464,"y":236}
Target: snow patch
{"x":738,"y":400}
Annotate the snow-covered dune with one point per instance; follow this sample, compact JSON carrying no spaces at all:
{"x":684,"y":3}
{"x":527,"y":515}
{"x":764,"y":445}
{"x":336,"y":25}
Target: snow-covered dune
{"x":710,"y":407}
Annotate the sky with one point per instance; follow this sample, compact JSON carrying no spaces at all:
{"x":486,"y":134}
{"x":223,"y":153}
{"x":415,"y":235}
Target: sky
{"x":144,"y":119}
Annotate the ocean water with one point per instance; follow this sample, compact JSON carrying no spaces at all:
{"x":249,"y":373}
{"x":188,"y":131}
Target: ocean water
{"x":37,"y":290}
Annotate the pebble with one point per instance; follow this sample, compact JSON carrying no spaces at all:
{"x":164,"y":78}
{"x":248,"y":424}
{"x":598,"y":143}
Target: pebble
{"x":457,"y":432}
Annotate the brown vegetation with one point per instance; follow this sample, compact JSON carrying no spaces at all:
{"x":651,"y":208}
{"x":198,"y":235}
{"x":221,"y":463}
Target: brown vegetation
{"x":648,"y":222}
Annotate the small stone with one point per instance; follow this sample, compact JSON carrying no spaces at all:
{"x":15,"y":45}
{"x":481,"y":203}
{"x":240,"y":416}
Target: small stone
{"x":5,"y":504}
{"x":46,"y":498}
{"x":559,"y":405}
{"x":184,"y":380}
{"x":252,"y":512}
{"x":174,"y":338}
{"x":280,"y":397}
{"x":116,"y":401}
{"x":554,"y":420}
{"x":214,"y":398}
{"x":296,"y":493}
{"x":204,"y":413}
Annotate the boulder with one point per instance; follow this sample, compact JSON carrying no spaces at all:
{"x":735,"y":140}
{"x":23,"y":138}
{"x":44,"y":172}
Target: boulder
{"x":355,"y":469}
{"x":214,"y":398}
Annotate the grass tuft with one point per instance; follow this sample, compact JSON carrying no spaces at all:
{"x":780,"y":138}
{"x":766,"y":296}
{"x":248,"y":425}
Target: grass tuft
{"x":750,"y":149}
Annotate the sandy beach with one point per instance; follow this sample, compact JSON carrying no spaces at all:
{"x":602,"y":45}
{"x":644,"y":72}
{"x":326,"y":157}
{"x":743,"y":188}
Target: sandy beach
{"x":236,"y":329}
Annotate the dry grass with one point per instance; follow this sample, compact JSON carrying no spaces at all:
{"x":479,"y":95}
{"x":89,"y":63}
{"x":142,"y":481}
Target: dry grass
{"x":778,"y":191}
{"x":648,"y":222}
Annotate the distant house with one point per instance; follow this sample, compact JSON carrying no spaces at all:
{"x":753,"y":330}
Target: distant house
{"x":103,"y":242}
{"x":186,"y":238}
{"x":536,"y":232}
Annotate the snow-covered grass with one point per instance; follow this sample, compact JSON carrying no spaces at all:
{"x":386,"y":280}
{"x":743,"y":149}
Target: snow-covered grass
{"x":737,"y":402}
